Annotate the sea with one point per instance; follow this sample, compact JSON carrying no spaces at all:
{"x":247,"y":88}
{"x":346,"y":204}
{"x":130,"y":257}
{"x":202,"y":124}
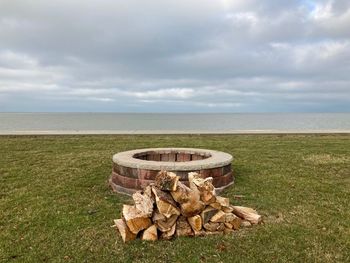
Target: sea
{"x":169,"y":123}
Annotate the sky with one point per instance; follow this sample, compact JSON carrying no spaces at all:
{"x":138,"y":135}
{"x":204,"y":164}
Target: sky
{"x":174,"y":56}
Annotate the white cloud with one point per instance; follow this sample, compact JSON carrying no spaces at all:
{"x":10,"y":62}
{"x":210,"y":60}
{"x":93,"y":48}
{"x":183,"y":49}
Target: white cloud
{"x":199,"y":54}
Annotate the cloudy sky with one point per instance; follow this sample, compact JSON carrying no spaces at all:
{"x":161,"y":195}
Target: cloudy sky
{"x":175,"y":56}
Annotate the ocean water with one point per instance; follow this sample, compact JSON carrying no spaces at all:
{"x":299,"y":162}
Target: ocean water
{"x":70,"y":123}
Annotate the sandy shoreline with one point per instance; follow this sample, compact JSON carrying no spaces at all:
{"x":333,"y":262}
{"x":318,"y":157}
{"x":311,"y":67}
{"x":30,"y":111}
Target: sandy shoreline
{"x":120,"y":132}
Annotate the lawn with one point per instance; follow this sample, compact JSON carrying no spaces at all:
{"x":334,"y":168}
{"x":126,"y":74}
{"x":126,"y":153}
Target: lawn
{"x":56,"y":206}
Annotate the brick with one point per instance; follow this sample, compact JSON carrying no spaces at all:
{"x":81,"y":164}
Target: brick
{"x":144,"y":174}
{"x":223,"y":180}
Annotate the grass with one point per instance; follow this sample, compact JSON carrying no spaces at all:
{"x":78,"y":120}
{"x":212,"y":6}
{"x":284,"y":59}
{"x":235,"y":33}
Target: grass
{"x":56,"y":206}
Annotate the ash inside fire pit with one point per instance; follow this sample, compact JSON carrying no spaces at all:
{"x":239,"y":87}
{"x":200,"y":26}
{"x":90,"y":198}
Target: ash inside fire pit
{"x":134,"y":170}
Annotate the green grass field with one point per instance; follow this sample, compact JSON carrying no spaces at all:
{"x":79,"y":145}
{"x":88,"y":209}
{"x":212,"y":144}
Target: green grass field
{"x":56,"y":206}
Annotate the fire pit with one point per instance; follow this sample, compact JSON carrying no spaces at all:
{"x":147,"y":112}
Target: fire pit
{"x":133,"y":170}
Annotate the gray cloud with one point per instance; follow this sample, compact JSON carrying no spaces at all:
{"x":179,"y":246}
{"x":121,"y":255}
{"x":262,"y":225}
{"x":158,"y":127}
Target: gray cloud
{"x":242,"y":55}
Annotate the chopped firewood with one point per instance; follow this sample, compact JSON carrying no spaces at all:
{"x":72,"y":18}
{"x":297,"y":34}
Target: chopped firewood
{"x":245,"y":223}
{"x":204,"y":186}
{"x":227,"y":209}
{"x":183,"y":228}
{"x":236,"y":222}
{"x":165,"y":203}
{"x":219,"y":217}
{"x":216,"y":205}
{"x":247,"y":213}
{"x":221,"y":227}
{"x":163,"y":224}
{"x":229,"y":217}
{"x":195,"y":222}
{"x":168,"y":208}
{"x":135,"y":219}
{"x":207,"y":214}
{"x":181,"y":194}
{"x":211,"y":226}
{"x":228,"y":225}
{"x":166,"y":181}
{"x":169,"y":234}
{"x":124,"y":231}
{"x":188,"y":199}
{"x":223,"y":201}
{"x":150,"y":234}
{"x":193,"y":208}
{"x":148,"y":191}
{"x":143,"y":203}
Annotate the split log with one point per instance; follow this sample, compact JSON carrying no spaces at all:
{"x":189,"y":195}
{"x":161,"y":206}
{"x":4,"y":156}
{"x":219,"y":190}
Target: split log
{"x":207,"y":214}
{"x":216,"y":205}
{"x":227,"y":209}
{"x":247,"y":213}
{"x":229,"y":217}
{"x":150,"y":234}
{"x":148,"y":191}
{"x":236,"y":222}
{"x":135,"y":219}
{"x":221,"y":227}
{"x":124,"y":231}
{"x":143,"y":202}
{"x":181,"y":194}
{"x":183,"y":228}
{"x":219,"y":217}
{"x":223,"y":201}
{"x":169,"y":234}
{"x":195,"y":222}
{"x":189,"y":200}
{"x":165,"y":203}
{"x":213,"y":227}
{"x":204,"y":186}
{"x":166,"y":181}
{"x":228,"y":225}
{"x":163,"y":224}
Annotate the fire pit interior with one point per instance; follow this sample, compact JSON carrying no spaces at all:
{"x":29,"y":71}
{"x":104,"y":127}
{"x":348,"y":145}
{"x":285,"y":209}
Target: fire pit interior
{"x":133,"y":170}
{"x":171,"y":156}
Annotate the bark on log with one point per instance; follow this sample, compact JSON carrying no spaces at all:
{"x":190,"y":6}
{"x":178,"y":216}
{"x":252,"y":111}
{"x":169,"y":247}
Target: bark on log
{"x":135,"y":219}
{"x":247,"y":213}
{"x":166,"y":181}
{"x":207,"y":213}
{"x":165,"y":203}
{"x":150,"y":234}
{"x":124,"y":231}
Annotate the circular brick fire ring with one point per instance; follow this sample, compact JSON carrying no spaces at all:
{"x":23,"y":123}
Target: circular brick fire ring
{"x":133,"y":170}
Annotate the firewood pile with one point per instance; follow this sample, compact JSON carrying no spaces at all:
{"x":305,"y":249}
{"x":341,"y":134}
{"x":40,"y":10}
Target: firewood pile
{"x":168,"y":208}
